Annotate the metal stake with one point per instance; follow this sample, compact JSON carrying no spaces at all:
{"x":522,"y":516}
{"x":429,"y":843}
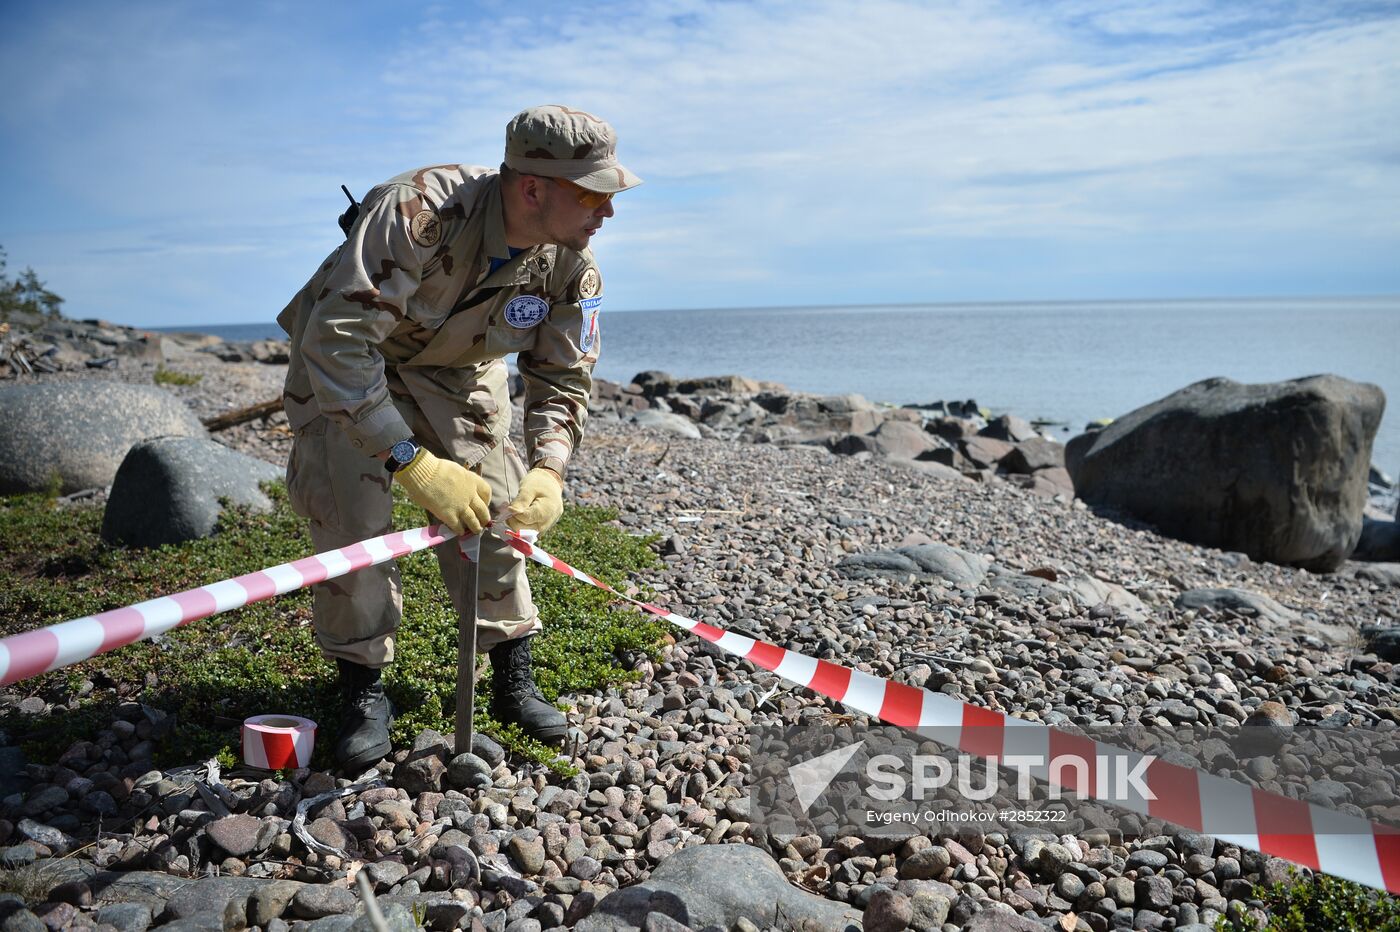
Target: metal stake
{"x":466,"y":654}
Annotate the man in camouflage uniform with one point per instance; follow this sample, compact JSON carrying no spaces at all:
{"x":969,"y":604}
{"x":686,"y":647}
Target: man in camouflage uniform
{"x":397,"y":373}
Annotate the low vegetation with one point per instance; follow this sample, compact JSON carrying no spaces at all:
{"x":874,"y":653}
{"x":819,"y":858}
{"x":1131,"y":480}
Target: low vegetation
{"x":164,"y":376}
{"x":1322,"y":902}
{"x":262,"y":658}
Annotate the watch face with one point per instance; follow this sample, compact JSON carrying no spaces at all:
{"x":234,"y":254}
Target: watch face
{"x":402,"y":452}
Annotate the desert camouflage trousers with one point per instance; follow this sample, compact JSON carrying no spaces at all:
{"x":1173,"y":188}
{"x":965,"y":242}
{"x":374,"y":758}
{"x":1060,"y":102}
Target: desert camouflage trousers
{"x":346,"y":495}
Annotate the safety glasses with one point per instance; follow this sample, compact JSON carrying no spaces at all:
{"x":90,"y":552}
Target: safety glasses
{"x":590,"y":199}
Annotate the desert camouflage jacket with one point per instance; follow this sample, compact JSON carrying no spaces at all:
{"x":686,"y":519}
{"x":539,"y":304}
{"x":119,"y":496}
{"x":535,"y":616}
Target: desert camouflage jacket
{"x":405,"y":322}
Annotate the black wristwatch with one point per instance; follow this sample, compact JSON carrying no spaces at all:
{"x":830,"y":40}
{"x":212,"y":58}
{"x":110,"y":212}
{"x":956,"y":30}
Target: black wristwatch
{"x":401,"y":454}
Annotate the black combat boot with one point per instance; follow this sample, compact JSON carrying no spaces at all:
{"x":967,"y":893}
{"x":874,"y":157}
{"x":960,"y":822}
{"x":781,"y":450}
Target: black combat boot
{"x":516,"y":698}
{"x":364,"y":732}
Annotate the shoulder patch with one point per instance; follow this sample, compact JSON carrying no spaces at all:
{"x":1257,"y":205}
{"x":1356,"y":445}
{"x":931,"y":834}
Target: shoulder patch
{"x":426,"y":228}
{"x":589,"y":284}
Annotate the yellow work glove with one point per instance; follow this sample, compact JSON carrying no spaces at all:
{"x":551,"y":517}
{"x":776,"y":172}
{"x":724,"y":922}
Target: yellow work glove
{"x":448,"y":491}
{"x":539,"y":503}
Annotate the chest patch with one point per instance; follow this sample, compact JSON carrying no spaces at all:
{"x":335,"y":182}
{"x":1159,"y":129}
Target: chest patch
{"x":526,"y":310}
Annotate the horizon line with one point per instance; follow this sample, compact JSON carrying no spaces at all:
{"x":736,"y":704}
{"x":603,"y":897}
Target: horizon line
{"x":1055,"y":302}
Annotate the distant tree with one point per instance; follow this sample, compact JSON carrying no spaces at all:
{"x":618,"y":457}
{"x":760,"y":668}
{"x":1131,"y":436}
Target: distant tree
{"x":25,"y":294}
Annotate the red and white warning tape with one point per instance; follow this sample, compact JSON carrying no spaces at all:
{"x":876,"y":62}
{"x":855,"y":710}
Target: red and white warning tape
{"x":1303,"y":833}
{"x":1322,"y":839}
{"x":34,"y":652}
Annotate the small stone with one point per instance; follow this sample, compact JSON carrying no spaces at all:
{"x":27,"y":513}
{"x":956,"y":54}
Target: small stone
{"x":1146,"y":857}
{"x":527,"y":853}
{"x":270,"y":900}
{"x":385,"y":874}
{"x":1054,"y":858}
{"x":313,"y":901}
{"x":1069,"y":886}
{"x":584,"y":868}
{"x":329,"y":832}
{"x":928,"y":864}
{"x":887,"y":911}
{"x":466,"y":771}
{"x":236,"y":834}
{"x":1154,"y":893}
{"x":928,"y":911}
{"x":423,"y":775}
{"x":1120,"y":890}
{"x":21,"y":920}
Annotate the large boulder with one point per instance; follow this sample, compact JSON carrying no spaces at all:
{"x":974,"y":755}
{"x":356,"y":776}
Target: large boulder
{"x":714,"y":886}
{"x":1276,"y":470}
{"x":168,"y":490}
{"x":903,"y":440}
{"x":81,"y":431}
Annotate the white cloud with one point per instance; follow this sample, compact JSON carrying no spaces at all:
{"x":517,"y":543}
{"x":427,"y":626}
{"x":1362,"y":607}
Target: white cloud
{"x":792,"y":150}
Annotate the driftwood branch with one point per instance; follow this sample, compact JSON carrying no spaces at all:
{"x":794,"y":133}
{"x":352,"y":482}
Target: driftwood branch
{"x":242,"y":415}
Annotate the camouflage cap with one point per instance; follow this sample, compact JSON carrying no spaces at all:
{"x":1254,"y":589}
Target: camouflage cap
{"x":558,"y":142}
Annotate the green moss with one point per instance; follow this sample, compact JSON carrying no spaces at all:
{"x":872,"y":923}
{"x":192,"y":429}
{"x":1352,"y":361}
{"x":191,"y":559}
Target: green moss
{"x":1322,"y":903}
{"x":214,"y":672}
{"x":164,"y":376}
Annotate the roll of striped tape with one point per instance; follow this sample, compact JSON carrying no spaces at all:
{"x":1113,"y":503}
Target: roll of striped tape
{"x":278,"y":742}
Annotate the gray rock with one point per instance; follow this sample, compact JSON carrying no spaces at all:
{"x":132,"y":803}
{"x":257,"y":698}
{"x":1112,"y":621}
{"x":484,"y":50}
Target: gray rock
{"x":270,"y":901}
{"x":927,"y":561}
{"x":81,"y":431}
{"x":315,"y":900}
{"x":666,"y":422}
{"x":902,"y":440}
{"x":44,"y":834}
{"x":929,"y":911}
{"x":209,"y":897}
{"x":151,"y":889}
{"x":396,"y":919}
{"x":14,"y":919}
{"x":1383,"y":642}
{"x":986,"y":452}
{"x":126,"y":917}
{"x":715,"y":885}
{"x":1008,"y":427}
{"x":1001,"y":919}
{"x":465,"y":770}
{"x":168,"y":490}
{"x":887,"y":911}
{"x":1277,"y":471}
{"x":1237,"y":602}
{"x":1382,"y":574}
{"x":236,"y":834}
{"x":1035,"y":454}
{"x":1379,"y":541}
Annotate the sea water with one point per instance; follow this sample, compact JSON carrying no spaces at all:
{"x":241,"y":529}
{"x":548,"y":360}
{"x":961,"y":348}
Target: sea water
{"x":1062,"y":362}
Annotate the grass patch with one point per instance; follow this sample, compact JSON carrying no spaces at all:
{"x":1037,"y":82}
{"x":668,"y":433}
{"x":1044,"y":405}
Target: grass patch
{"x":164,"y":376}
{"x":1323,"y":902}
{"x":261,"y":658}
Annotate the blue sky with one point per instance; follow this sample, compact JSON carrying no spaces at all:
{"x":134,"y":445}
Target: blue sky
{"x":180,"y":163}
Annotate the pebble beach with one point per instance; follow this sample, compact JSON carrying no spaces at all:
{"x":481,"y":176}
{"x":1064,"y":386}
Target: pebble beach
{"x":758,"y":538}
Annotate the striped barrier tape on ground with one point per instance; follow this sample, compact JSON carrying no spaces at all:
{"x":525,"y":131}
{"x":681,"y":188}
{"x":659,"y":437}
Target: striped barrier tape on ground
{"x":33,"y":652}
{"x":1303,"y":833}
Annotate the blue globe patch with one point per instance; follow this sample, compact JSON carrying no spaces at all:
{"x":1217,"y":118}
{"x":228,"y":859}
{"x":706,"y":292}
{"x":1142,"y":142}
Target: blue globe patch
{"x":526,"y":311}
